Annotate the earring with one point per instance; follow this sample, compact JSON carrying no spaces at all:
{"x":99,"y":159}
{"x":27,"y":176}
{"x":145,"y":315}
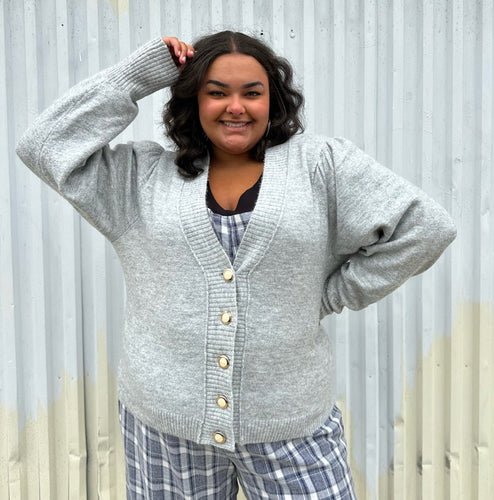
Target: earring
{"x":268,"y":128}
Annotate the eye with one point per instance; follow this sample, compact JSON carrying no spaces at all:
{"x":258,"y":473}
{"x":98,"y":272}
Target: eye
{"x":216,"y":93}
{"x":253,"y":93}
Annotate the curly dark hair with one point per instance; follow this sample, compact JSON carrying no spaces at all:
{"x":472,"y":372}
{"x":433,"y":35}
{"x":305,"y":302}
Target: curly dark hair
{"x":181,"y":112}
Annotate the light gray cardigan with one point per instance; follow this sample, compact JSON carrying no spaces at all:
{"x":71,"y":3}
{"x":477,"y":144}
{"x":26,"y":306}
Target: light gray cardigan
{"x":331,"y":229}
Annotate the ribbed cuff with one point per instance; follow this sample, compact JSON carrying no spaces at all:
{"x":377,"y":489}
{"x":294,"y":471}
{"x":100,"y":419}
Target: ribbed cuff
{"x":148,"y":69}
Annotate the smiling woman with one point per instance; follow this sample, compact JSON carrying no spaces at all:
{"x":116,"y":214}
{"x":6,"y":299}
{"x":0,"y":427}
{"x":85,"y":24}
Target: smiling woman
{"x":255,"y":62}
{"x":234,"y":246}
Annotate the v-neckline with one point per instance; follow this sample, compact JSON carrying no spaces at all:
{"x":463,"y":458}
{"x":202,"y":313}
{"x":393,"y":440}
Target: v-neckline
{"x":262,"y":225}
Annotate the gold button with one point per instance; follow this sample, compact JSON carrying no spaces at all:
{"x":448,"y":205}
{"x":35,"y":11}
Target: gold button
{"x":222,"y":402}
{"x":226,"y":317}
{"x":227,"y":274}
{"x":224,"y":361}
{"x":219,"y":437}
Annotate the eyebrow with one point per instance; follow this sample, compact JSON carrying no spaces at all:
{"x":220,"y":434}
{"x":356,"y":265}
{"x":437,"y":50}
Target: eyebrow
{"x":225,"y":85}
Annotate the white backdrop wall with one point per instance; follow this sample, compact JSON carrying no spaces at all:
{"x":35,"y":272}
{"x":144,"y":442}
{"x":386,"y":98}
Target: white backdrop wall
{"x":411,"y":82}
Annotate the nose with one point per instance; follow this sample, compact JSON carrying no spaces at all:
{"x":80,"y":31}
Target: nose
{"x":235,"y":106}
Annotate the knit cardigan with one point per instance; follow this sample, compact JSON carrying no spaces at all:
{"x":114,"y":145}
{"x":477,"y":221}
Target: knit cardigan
{"x":331,"y":229}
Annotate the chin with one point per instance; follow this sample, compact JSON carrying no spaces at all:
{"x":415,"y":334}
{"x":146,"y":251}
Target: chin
{"x":237,"y":150}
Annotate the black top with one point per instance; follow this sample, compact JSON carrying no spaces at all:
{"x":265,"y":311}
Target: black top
{"x":246,"y":202}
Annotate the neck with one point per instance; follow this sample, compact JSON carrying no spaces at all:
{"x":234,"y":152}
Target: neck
{"x":221,"y":160}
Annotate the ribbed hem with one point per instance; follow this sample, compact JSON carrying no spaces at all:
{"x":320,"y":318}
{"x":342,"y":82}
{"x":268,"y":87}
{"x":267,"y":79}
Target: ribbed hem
{"x":183,"y":426}
{"x":251,"y":430}
{"x":269,"y":431}
{"x":148,"y":69}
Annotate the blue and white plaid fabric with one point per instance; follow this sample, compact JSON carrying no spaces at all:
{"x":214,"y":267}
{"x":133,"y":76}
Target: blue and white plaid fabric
{"x":230,"y":230}
{"x":160,"y":466}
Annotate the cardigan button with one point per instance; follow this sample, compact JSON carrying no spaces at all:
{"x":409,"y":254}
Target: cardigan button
{"x":227,"y":274}
{"x":219,"y":437}
{"x":224,"y":361}
{"x":226,"y":317}
{"x":222,"y":402}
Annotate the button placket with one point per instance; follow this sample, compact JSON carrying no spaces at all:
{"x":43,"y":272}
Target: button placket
{"x":218,"y":427}
{"x":223,"y":360}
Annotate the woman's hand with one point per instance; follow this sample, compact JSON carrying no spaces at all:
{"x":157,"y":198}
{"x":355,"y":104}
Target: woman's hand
{"x":180,"y":51}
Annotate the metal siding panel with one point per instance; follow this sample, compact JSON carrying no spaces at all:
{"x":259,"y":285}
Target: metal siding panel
{"x":411,"y":83}
{"x":9,"y":449}
{"x":486,"y":315}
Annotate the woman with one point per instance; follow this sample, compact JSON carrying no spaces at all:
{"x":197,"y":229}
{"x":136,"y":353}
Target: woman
{"x":225,"y":369}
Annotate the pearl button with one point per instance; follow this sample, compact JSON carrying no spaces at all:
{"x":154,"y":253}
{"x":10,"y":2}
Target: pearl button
{"x":226,"y":317}
{"x":222,"y":402}
{"x":224,"y":361}
{"x":219,"y":437}
{"x":227,"y":274}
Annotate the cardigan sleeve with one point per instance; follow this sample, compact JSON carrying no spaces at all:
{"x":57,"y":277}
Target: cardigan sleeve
{"x":67,"y":146}
{"x":384,"y":228}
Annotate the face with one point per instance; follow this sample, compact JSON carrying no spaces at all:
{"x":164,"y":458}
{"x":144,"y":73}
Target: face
{"x":234,"y":104}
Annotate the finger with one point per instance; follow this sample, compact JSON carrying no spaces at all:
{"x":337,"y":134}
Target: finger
{"x":186,"y":52}
{"x":182,"y":52}
{"x":173,"y":45}
{"x":179,"y":50}
{"x":190,"y":51}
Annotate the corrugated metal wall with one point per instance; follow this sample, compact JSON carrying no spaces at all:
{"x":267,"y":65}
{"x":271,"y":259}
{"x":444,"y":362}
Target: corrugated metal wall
{"x":410,"y":81}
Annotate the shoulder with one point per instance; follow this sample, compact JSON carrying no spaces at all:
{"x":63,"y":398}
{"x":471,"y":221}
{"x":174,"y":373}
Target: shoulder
{"x":320,"y":154}
{"x":313,"y":146}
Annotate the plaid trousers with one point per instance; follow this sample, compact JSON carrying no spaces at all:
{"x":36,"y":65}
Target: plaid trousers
{"x":161,"y":466}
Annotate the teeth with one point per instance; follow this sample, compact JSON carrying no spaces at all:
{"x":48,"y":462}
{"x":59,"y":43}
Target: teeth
{"x":234,"y":124}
